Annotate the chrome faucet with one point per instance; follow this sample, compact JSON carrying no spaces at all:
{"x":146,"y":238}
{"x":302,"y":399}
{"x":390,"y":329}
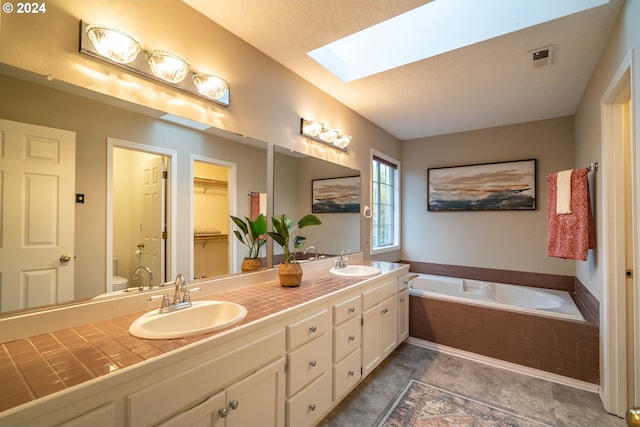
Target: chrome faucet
{"x":180,"y":287}
{"x":149,"y":274}
{"x":344,"y":256}
{"x":181,"y":296}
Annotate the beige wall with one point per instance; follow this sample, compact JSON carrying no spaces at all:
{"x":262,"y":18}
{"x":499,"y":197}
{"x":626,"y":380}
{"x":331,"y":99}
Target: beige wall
{"x":624,"y":37}
{"x":267,"y":100}
{"x":510,"y":240}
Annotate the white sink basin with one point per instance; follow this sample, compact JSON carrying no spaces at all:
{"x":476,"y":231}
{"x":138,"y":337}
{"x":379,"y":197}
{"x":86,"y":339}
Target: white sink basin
{"x":355,"y":270}
{"x":201,"y":318}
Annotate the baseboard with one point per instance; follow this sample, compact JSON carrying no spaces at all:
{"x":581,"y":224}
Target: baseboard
{"x":537,"y":373}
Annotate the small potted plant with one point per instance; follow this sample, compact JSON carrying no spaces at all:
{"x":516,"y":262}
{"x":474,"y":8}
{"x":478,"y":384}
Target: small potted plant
{"x":290,"y":271}
{"x":252,"y":235}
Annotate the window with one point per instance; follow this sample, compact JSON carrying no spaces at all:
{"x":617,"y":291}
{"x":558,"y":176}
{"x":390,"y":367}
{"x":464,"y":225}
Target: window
{"x":385,"y":200}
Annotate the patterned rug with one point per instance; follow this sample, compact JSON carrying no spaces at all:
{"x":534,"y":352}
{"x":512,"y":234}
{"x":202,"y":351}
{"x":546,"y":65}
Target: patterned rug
{"x":422,"y":405}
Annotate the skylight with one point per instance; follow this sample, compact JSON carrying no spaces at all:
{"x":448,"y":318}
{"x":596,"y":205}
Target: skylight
{"x":435,"y":28}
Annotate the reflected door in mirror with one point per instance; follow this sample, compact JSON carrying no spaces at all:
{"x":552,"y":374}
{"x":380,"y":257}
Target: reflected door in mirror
{"x":37,"y":174}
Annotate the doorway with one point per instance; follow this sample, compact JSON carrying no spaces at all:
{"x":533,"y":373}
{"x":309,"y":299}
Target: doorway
{"x":621,"y":301}
{"x":139,"y":214}
{"x":213,"y":201}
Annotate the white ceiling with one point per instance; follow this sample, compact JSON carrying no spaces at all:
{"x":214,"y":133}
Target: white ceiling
{"x":488,"y":84}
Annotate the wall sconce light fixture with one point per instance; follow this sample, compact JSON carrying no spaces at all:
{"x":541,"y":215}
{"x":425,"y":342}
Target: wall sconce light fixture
{"x":318,"y":132}
{"x":123,"y":49}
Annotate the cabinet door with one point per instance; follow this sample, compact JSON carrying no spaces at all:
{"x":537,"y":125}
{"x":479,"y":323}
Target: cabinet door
{"x":371,"y":338}
{"x":105,"y":416}
{"x":209,"y":413}
{"x":259,"y":399}
{"x":389,"y":325}
{"x":379,"y":333}
{"x":403,"y":315}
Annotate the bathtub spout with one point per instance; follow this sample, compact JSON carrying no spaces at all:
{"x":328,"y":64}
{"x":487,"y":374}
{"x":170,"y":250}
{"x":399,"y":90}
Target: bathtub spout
{"x":410,"y":278}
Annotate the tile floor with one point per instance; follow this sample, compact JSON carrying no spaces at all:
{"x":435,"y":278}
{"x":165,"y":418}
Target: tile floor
{"x":556,"y":404}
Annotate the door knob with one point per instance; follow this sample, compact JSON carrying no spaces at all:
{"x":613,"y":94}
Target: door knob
{"x":65,"y":258}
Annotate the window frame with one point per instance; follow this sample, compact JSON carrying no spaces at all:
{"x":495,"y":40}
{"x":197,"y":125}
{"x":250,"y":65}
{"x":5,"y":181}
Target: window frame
{"x":396,"y":200}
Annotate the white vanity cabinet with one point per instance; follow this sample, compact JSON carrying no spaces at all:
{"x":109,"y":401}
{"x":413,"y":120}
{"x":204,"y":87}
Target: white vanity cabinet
{"x":309,"y":364}
{"x":379,"y":323}
{"x":347,"y":338}
{"x":244,"y":387}
{"x":254,"y":401}
{"x":290,"y":369}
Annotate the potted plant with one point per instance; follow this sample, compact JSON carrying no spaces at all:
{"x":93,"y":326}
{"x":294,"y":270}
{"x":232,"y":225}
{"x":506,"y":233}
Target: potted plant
{"x":290,"y":271}
{"x":252,"y":235}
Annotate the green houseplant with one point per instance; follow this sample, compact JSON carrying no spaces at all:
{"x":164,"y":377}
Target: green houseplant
{"x":290,"y":271}
{"x":252,"y":235}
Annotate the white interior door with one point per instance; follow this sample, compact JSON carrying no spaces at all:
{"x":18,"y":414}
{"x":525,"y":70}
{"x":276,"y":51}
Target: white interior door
{"x":153,"y":217}
{"x":37,"y":213}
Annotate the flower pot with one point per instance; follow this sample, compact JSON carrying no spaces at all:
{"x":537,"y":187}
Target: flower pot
{"x":290,"y":274}
{"x":251,"y":264}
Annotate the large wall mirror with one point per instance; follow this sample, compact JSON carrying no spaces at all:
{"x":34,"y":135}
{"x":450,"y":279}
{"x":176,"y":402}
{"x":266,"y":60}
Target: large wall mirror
{"x":301,"y":181}
{"x":118,"y":147}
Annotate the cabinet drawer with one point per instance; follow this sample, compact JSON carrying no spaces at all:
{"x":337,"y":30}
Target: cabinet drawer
{"x":346,"y":338}
{"x":308,"y":328}
{"x":308,"y":362}
{"x":346,"y":374}
{"x":306,"y":408}
{"x":379,"y":293}
{"x":347,"y":309}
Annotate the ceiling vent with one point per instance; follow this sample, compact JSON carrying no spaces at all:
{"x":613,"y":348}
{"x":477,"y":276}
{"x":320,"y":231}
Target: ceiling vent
{"x":542,"y":56}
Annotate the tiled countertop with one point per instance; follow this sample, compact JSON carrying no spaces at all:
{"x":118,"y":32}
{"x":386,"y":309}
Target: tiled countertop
{"x":37,"y":366}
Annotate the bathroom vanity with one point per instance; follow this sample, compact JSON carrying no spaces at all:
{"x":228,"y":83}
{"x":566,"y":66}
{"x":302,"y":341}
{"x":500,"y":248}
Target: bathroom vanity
{"x":295,"y":356}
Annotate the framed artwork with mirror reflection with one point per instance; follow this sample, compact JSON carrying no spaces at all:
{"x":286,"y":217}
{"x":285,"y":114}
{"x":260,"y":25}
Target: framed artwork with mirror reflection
{"x":334,"y":195}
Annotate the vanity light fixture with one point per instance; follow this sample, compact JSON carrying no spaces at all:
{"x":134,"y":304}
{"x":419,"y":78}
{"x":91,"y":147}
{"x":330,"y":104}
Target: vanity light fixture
{"x":211,"y":85}
{"x":318,"y":132}
{"x":123,"y":49}
{"x":168,"y":66}
{"x":114,"y":43}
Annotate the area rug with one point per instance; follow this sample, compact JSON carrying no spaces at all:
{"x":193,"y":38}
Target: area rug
{"x":422,"y":405}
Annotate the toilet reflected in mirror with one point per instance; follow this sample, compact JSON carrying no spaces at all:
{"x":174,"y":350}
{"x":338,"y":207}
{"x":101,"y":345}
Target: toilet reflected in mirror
{"x":118,"y":283}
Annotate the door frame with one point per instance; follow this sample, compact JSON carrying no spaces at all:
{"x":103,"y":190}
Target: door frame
{"x":171,"y":214}
{"x":233,"y":208}
{"x":613,"y":317}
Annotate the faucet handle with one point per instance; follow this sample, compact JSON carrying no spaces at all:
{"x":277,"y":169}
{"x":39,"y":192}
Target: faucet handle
{"x":165,"y":301}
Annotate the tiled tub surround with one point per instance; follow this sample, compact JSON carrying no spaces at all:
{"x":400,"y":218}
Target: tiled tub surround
{"x":564,"y":347}
{"x":37,"y":366}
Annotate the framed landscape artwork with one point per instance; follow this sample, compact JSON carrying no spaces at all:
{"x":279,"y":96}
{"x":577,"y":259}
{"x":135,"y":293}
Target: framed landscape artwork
{"x":335,"y":195}
{"x":487,"y":186}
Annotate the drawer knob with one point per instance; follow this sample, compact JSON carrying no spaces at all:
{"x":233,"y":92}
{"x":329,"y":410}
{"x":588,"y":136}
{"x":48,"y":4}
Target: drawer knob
{"x":234,"y":404}
{"x":352,"y":337}
{"x":313,"y":363}
{"x":401,"y":299}
{"x":385,"y":310}
{"x":313,"y":329}
{"x":312,"y":406}
{"x":352,"y":309}
{"x":223,"y":412}
{"x":351,"y":373}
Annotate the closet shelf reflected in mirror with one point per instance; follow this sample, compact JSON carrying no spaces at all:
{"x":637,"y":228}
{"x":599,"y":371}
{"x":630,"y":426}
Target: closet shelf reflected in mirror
{"x":206,"y":237}
{"x":206,"y":183}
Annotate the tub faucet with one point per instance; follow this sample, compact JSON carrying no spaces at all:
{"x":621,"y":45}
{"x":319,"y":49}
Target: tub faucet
{"x":315,"y":256}
{"x":149,"y":274}
{"x":344,"y":256}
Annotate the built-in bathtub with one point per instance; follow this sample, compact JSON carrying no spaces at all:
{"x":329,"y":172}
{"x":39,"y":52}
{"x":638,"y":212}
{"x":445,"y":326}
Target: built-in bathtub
{"x":533,"y":327}
{"x":525,"y":299}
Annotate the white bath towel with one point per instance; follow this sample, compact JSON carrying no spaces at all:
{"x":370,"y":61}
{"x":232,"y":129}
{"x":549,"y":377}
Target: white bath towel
{"x":563,"y":195}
